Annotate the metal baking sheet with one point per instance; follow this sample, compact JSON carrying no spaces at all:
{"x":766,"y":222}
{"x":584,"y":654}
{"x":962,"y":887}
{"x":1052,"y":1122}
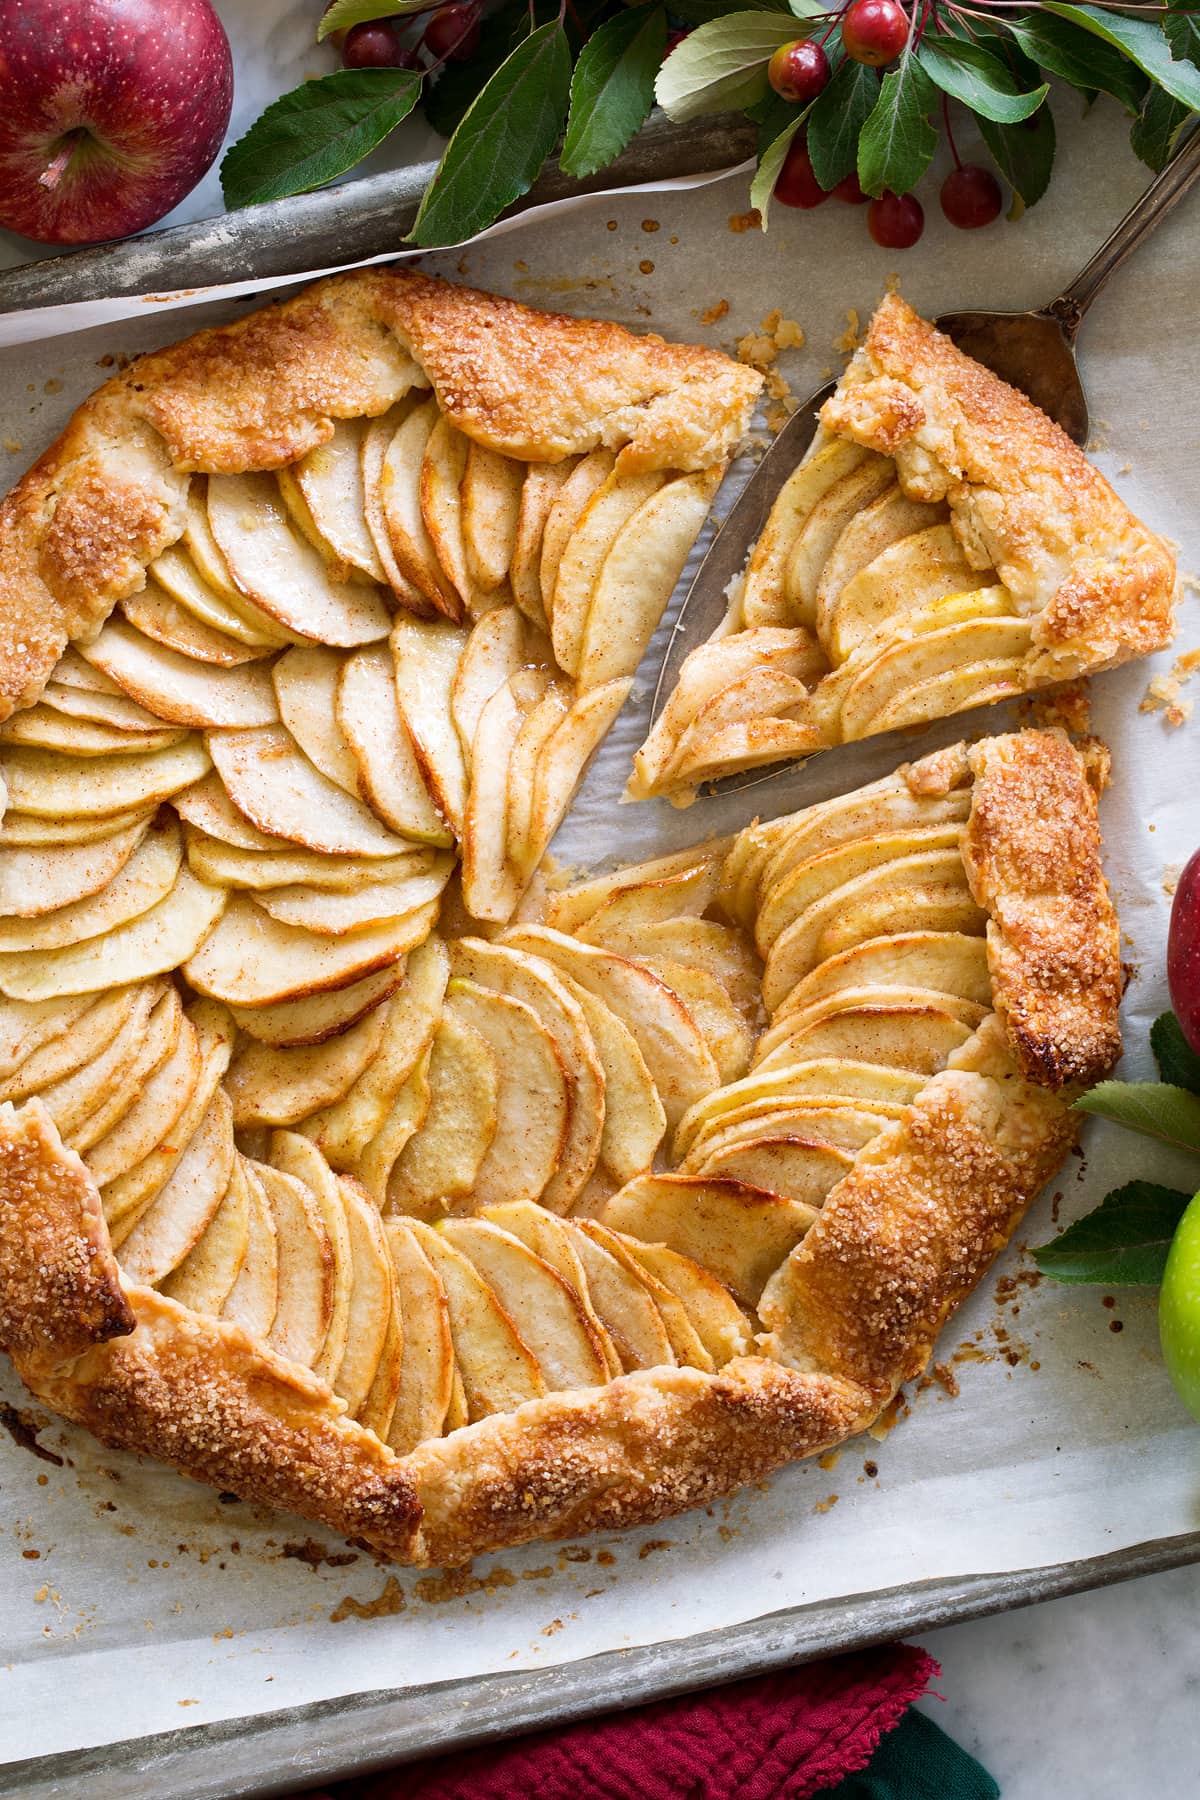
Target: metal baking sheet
{"x":673,"y":277}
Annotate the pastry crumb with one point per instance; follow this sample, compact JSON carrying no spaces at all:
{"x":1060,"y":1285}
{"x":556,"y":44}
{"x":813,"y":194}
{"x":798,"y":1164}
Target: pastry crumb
{"x":388,"y":1601}
{"x":1170,"y":878}
{"x":747,"y":221}
{"x":1164,"y":692}
{"x":826,"y":1505}
{"x":718,"y":310}
{"x":850,"y":339}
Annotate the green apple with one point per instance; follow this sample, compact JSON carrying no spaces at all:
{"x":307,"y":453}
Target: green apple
{"x":1179,"y":1309}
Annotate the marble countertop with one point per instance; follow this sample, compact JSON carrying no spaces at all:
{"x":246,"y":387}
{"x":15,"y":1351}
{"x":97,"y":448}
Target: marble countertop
{"x":1089,"y":1698}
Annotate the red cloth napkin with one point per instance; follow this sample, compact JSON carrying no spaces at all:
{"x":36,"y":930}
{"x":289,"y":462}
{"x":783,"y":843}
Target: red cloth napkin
{"x":780,"y":1737}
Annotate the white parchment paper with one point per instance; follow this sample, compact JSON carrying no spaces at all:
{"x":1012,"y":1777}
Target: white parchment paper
{"x":134,"y":1602}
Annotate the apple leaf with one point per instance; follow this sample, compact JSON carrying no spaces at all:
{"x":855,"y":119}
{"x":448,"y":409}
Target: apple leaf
{"x":1155,"y":1108}
{"x":1024,"y":155}
{"x":1154,"y":134}
{"x":501,"y":142}
{"x":1181,"y":28}
{"x":1142,"y":42}
{"x":770,"y":163}
{"x":1177,"y":1061}
{"x":980,"y":80}
{"x":1124,"y":1242}
{"x":612,"y":89}
{"x":316,"y":132}
{"x":838,"y":116}
{"x":897,"y":141}
{"x":344,"y":13}
{"x":1077,"y":56}
{"x":722,"y":64}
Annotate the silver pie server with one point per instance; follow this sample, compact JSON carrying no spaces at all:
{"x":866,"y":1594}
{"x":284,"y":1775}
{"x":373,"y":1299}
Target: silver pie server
{"x":1033,"y":351}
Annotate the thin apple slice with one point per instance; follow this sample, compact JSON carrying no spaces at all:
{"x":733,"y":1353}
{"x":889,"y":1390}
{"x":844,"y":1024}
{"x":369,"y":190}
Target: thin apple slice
{"x":676,"y":1055}
{"x":374,"y":1163}
{"x":116,"y":710}
{"x":623,"y":1302}
{"x":490,"y":886}
{"x":427,"y":1367}
{"x":547,"y":1312}
{"x":153,"y":1114}
{"x":829,"y":1125}
{"x":810,"y":880}
{"x":820,"y":531}
{"x":389,"y":775}
{"x":539,"y":490}
{"x":555,"y":1242}
{"x":886,"y":687}
{"x":886,"y":807}
{"x":40,"y":1042}
{"x":759,"y":694}
{"x":634,"y":1118}
{"x":159,"y":616}
{"x":914,"y":1037}
{"x":495,"y":650}
{"x":372,"y":1293}
{"x":442,"y":468}
{"x":537,"y":727}
{"x":48,"y":785}
{"x":529,"y":978}
{"x":818,"y":1081}
{"x":329,"y":480}
{"x":285,"y":865}
{"x":330,"y":914}
{"x":208,"y":807}
{"x":379,"y":1402}
{"x":254,"y":1297}
{"x":343,"y":1131}
{"x":499,"y":1371}
{"x":23,"y":831}
{"x":638,"y":576}
{"x":732,"y":749}
{"x":126,"y":1195}
{"x":393,"y":451}
{"x":872,"y":994}
{"x":45,"y":729}
{"x":157,"y":940}
{"x":90,"y":1087}
{"x":491,"y":506}
{"x":610,"y":507}
{"x":626,"y":907}
{"x":179,"y":1214}
{"x":961,"y":688}
{"x":786,"y":1165}
{"x":275,"y":568}
{"x":221,"y":610}
{"x":532,"y":1101}
{"x":948,"y":961}
{"x":572,"y":907}
{"x":205,"y":1278}
{"x":270,"y":1084}
{"x":304,"y":1267}
{"x":739,"y":1234}
{"x":874,"y":530}
{"x":764,"y":600}
{"x":427,"y":655}
{"x":563,"y":760}
{"x":272,"y":783}
{"x":137,"y":1067}
{"x":306,"y":682}
{"x":70,"y":671}
{"x":294,"y":1155}
{"x":439,"y":1165}
{"x":724,"y":1029}
{"x":318,"y":1017}
{"x":178,"y":688}
{"x":719,"y":1322}
{"x":687,"y":1346}
{"x":250,"y":959}
{"x":588,"y":475}
{"x":902,"y":579}
{"x":41,"y":878}
{"x":146,"y":879}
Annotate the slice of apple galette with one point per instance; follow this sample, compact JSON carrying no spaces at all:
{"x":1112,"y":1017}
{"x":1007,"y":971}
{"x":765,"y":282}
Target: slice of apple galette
{"x":941,"y":546}
{"x":450,"y":1240}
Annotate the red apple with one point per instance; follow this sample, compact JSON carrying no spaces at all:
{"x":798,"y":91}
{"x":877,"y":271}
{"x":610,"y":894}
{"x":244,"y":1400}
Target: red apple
{"x":110,"y":112}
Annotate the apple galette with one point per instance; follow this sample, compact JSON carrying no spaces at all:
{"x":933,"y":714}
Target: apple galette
{"x":942,"y":545}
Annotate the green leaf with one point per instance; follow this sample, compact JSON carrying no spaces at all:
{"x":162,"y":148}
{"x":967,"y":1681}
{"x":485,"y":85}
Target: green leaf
{"x":612,"y":89}
{"x":1154,"y":134}
{"x":456,"y":85}
{"x":1154,"y":1108}
{"x":722,"y":65}
{"x":504,"y":137}
{"x":1143,"y":43}
{"x":701,"y":12}
{"x":1124,"y":1242}
{"x":316,"y":132}
{"x":772,"y":115}
{"x":1177,"y":1061}
{"x":897,"y":141}
{"x":1024,"y":155}
{"x":344,"y":13}
{"x":1181,"y":28}
{"x":770,"y":163}
{"x":1077,"y":56}
{"x":836,"y":120}
{"x":980,"y":80}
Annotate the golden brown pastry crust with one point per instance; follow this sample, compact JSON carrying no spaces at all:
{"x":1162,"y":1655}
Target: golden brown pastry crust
{"x":1025,"y":499}
{"x":108,"y":496}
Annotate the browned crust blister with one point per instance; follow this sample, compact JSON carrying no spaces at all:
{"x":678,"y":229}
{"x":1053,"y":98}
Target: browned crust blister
{"x":902,"y":1238}
{"x":1024,"y":498}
